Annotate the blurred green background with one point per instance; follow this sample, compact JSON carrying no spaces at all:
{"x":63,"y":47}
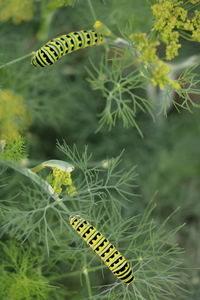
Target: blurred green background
{"x":62,"y":105}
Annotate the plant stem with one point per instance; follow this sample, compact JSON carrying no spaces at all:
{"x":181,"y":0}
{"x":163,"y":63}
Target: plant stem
{"x":37,"y":168}
{"x":76,"y":273}
{"x":16,"y":60}
{"x":45,"y":21}
{"x":92,"y":10}
{"x":87,"y":278}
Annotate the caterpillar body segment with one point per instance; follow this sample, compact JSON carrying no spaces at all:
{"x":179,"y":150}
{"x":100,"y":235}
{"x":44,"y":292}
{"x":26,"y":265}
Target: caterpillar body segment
{"x":107,"y":252}
{"x":65,"y":44}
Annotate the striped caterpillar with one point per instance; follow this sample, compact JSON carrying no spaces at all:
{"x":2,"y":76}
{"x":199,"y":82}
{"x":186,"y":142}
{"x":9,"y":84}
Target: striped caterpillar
{"x":107,"y":252}
{"x":65,"y":44}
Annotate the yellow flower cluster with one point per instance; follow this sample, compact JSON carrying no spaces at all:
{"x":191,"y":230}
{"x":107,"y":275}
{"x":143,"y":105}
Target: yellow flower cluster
{"x":16,"y":10}
{"x":172,"y":20}
{"x":14,"y":118}
{"x":147,"y":56}
{"x":160,"y":76}
{"x":196,"y":26}
{"x":58,"y":178}
{"x":146,"y":49}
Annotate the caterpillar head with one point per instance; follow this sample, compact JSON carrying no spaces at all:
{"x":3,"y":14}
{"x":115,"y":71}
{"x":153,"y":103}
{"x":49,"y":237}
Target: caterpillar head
{"x":34,"y":62}
{"x":74,"y":218}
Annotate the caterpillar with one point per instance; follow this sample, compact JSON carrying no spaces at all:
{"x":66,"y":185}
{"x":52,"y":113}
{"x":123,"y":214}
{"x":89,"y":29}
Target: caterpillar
{"x":107,"y":252}
{"x":65,"y":44}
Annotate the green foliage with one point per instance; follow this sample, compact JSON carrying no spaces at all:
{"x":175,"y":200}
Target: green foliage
{"x":92,"y":185}
{"x":14,"y":150}
{"x":100,"y":191}
{"x":118,"y":88}
{"x":189,"y":94}
{"x":20,"y":276}
{"x":62,"y":103}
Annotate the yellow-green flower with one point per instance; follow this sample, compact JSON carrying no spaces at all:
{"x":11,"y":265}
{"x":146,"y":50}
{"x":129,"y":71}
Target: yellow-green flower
{"x":172,"y":50}
{"x":196,"y":35}
{"x":71,"y":190}
{"x":160,"y":71}
{"x":147,"y":50}
{"x":14,"y":117}
{"x":16,"y":10}
{"x":59,"y":178}
{"x":171,"y":20}
{"x":160,"y":76}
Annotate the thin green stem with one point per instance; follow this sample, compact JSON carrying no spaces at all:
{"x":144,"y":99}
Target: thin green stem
{"x":16,"y":60}
{"x":87,"y":279}
{"x":37,"y":168}
{"x":192,"y":6}
{"x":92,"y":10}
{"x":45,"y":21}
{"x":76,"y":273}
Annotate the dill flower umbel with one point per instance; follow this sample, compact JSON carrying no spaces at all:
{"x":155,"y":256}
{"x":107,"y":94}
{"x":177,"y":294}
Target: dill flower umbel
{"x":59,"y":178}
{"x":147,"y":55}
{"x":14,"y":117}
{"x":173,"y":21}
{"x":146,"y":48}
{"x":160,"y":76}
{"x":196,"y":25}
{"x":16,"y":10}
{"x":14,"y":121}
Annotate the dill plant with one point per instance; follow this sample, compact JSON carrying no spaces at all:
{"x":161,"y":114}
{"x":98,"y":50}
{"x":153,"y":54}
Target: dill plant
{"x":172,"y":20}
{"x":38,"y":196}
{"x":21,"y":276}
{"x":100,"y":189}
